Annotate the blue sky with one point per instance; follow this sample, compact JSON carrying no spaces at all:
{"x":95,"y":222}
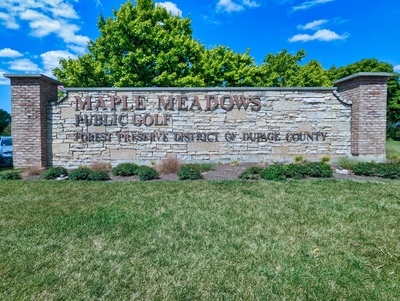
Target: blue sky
{"x":34,"y":34}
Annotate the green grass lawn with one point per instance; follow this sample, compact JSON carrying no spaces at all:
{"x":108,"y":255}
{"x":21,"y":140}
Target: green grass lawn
{"x":200,"y":240}
{"x":393,"y":149}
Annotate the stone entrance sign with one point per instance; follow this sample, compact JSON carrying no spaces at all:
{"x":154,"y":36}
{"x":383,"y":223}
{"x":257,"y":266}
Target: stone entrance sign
{"x":143,"y":125}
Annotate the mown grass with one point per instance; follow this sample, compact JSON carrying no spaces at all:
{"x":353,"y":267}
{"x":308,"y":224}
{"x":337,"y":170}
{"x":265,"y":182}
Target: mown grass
{"x":202,"y":240}
{"x":393,"y":150}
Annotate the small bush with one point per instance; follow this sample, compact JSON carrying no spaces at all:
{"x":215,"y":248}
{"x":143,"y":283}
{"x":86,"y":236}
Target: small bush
{"x":125,"y":169}
{"x":190,"y":172}
{"x":100,"y":166}
{"x":368,"y":169}
{"x":53,"y":173}
{"x":99,"y":175}
{"x":10,"y":175}
{"x":169,"y":165}
{"x":319,"y":170}
{"x":147,"y":173}
{"x":383,"y":170}
{"x":251,"y":173}
{"x":296,"y":170}
{"x":80,"y":174}
{"x":274,"y":172}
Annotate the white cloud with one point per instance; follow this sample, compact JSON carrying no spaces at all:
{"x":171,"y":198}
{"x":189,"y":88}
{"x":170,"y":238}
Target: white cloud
{"x":228,"y":6}
{"x":8,"y":52}
{"x":51,"y":59}
{"x":250,"y":3}
{"x":231,"y":6}
{"x":171,"y":7}
{"x":8,"y":21}
{"x":396,"y":68}
{"x":309,"y":4}
{"x":325,"y":35}
{"x":25,"y":65}
{"x":64,"y":10}
{"x":77,"y":49}
{"x":313,"y":25}
{"x":44,"y":17}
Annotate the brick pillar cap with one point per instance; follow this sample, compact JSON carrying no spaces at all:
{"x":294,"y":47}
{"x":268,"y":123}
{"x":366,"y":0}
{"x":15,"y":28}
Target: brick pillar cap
{"x":36,"y":76}
{"x":363,"y":74}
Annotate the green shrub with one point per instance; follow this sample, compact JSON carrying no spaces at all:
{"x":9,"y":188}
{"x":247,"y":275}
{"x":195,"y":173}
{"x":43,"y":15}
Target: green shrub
{"x":190,"y":172}
{"x":125,"y":169}
{"x":53,"y":173}
{"x":389,"y":170}
{"x":251,"y":173}
{"x":147,"y":173}
{"x":296,"y":171}
{"x":80,"y":174}
{"x":368,"y":169}
{"x":99,"y":175}
{"x":319,"y":170}
{"x":274,"y":172}
{"x":10,"y":175}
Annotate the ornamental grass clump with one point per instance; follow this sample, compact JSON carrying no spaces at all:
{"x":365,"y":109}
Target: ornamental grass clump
{"x":169,"y":166}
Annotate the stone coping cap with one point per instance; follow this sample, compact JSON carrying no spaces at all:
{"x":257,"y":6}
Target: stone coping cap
{"x":364,"y":74}
{"x":42,"y":76}
{"x":200,"y":89}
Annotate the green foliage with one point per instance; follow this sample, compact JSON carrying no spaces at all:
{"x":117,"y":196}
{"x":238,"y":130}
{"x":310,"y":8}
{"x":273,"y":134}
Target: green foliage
{"x":147,"y":173}
{"x":80,"y":174}
{"x":319,"y":170}
{"x":125,"y":169}
{"x":296,"y":170}
{"x":280,"y":172}
{"x":389,"y":170}
{"x":99,"y":175}
{"x":10,"y":175}
{"x":275,"y":172}
{"x":7,"y":131}
{"x":53,"y":173}
{"x":347,"y":163}
{"x":221,"y":67}
{"x":251,"y":173}
{"x":142,"y":45}
{"x":5,"y":121}
{"x":190,"y":172}
{"x":205,"y":166}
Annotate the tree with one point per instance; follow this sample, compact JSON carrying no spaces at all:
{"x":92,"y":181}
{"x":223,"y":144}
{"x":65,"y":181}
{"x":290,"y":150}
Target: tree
{"x":5,"y":121}
{"x":280,"y":70}
{"x":221,"y":67}
{"x":142,"y":45}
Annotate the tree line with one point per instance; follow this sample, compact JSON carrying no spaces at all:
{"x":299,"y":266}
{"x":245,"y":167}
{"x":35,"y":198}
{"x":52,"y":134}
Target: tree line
{"x":144,"y":45}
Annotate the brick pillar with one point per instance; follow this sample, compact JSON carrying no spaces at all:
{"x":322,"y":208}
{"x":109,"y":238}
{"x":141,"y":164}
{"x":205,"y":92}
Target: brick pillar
{"x":29,"y":97}
{"x":368,"y":94}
